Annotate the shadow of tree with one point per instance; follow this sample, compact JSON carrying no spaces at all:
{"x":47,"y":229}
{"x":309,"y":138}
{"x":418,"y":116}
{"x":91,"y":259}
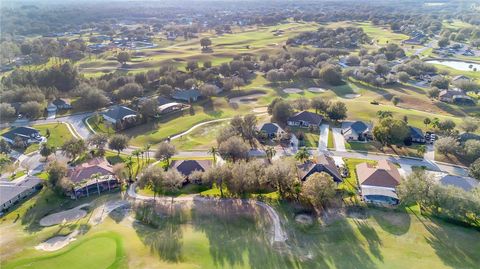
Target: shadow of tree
{"x":396,"y":221}
{"x":457,"y":246}
{"x":373,"y":240}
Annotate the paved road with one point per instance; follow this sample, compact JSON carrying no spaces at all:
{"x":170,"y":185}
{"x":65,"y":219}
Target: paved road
{"x":338,"y":139}
{"x":323,"y":140}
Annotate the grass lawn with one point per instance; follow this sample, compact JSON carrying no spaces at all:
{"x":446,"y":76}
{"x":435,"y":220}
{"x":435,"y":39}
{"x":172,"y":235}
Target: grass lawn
{"x":202,"y":138}
{"x":310,"y":139}
{"x":331,"y":142}
{"x":373,"y":146}
{"x":350,"y":183}
{"x":59,"y":133}
{"x":185,"y":190}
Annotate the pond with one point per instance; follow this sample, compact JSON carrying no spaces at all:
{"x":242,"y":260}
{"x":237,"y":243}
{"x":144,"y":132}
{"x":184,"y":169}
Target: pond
{"x":459,"y":65}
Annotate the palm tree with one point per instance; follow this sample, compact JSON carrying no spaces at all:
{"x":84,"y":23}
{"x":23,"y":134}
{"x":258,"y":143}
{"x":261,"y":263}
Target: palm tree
{"x":137,"y":153}
{"x":421,"y":150}
{"x":129,"y":165}
{"x":427,"y":122}
{"x":214,"y":152}
{"x":146,"y":149}
{"x":270,"y":151}
{"x":302,"y":154}
{"x":435,"y":122}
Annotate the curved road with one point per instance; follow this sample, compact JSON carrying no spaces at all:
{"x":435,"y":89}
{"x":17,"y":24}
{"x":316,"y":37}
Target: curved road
{"x":279,"y":235}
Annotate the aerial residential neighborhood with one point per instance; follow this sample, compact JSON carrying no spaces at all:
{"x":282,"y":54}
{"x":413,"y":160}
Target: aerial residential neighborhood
{"x":240,"y":134}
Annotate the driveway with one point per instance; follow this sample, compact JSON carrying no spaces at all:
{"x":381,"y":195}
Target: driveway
{"x":338,"y":139}
{"x":323,"y":140}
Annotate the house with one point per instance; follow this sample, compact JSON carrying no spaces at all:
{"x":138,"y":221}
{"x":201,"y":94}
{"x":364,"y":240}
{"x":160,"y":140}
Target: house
{"x":162,"y":100}
{"x":190,"y":95}
{"x":187,"y":167}
{"x":23,"y":135}
{"x":305,"y":119}
{"x":171,"y":107}
{"x":271,"y":130}
{"x":378,"y":182}
{"x":464,"y":183}
{"x":462,"y":138}
{"x":455,"y":96}
{"x":11,"y":193}
{"x":121,"y":117}
{"x":61,"y":104}
{"x":416,"y":135}
{"x":460,"y":77}
{"x":94,"y":176}
{"x":323,"y":163}
{"x":356,"y":131}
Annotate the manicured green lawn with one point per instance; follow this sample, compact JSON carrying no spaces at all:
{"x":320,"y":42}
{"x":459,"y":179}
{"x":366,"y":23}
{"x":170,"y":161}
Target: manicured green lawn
{"x":331,"y":142}
{"x":59,"y":133}
{"x":374,"y":147}
{"x":202,"y":138}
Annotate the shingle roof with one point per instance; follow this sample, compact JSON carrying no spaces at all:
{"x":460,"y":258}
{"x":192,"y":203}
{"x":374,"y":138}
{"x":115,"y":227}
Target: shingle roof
{"x":23,"y":132}
{"x":86,"y":170}
{"x":162,"y":100}
{"x":119,"y":112}
{"x":367,"y":191}
{"x":9,"y":190}
{"x":416,"y":133}
{"x":60,"y":102}
{"x":186,"y":167}
{"x":385,"y":174}
{"x":324,"y":164}
{"x":307,"y":116}
{"x":270,"y":128}
{"x":359,"y":127}
{"x":186,"y":94}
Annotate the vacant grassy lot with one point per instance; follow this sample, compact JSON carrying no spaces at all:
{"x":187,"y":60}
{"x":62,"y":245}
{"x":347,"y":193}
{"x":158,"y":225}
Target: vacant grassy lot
{"x":376,"y":147}
{"x":59,"y":133}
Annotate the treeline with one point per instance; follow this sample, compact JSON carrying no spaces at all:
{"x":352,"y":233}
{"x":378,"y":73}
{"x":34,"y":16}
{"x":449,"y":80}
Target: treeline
{"x":340,"y":38}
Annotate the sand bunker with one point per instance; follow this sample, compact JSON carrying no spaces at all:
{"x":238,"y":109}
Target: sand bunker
{"x":247,"y":99}
{"x":263,"y":109}
{"x":64,"y":216}
{"x":101,"y":213}
{"x":316,"y":90}
{"x":292,"y":90}
{"x":57,"y":242}
{"x":351,"y":96}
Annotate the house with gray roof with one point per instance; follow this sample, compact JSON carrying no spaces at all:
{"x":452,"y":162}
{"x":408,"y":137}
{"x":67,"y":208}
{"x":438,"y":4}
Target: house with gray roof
{"x":271,"y":130}
{"x":12,"y":193}
{"x":121,"y":117}
{"x":190,"y":95}
{"x":467,"y":136}
{"x":323,"y":163}
{"x":187,"y":167}
{"x":305,"y":119}
{"x":416,"y":135}
{"x":356,"y":131}
{"x":23,"y":135}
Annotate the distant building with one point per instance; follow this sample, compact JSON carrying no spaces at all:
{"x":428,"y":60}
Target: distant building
{"x":92,"y":177}
{"x":13,"y":193}
{"x":121,"y":117}
{"x":455,"y":96}
{"x":190,"y":95}
{"x":462,"y":138}
{"x":271,"y":130}
{"x":416,"y":135}
{"x":378,"y":182}
{"x":62,"y":104}
{"x":460,"y":77}
{"x":305,"y":119}
{"x":23,"y":135}
{"x":356,"y":131}
{"x":171,"y":107}
{"x":187,"y":167}
{"x":322,"y":164}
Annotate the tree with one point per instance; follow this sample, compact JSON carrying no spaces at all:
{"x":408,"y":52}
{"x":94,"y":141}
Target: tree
{"x":427,"y":121}
{"x":471,"y":149}
{"x":282,"y":175}
{"x":440,"y":82}
{"x":421,"y":150}
{"x":302,"y":103}
{"x":31,"y":109}
{"x":149,"y":108}
{"x":403,"y":77}
{"x":118,"y":142}
{"x":152,"y":178}
{"x":281,"y":111}
{"x":205,"y":42}
{"x":129,"y":91}
{"x":318,"y":189}
{"x":443,"y":42}
{"x":302,"y":154}
{"x":395,"y":100}
{"x":433,"y":92}
{"x":469,"y":125}
{"x":45,"y":150}
{"x":165,"y":152}
{"x":446,"y":145}
{"x":173,"y":181}
{"x":208,"y":90}
{"x":98,"y":140}
{"x":217,"y":175}
{"x":73,"y":148}
{"x":123,"y":57}
{"x":213,"y":150}
{"x":233,"y":149}
{"x":446,"y":126}
{"x":91,"y":98}
{"x":331,"y":75}
{"x":382,"y":114}
{"x":270,"y":152}
{"x":391,"y":131}
{"x":4,"y":147}
{"x":474,"y":169}
{"x":337,"y":111}
{"x":7,"y":111}
{"x":320,"y":104}
{"x":56,"y":171}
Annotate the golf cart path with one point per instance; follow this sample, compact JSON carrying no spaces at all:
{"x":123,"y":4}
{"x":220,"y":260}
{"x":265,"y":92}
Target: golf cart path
{"x":279,"y":235}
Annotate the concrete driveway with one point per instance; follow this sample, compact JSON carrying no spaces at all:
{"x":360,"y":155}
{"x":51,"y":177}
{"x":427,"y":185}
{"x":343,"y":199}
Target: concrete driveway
{"x":338,"y":139}
{"x":323,"y":140}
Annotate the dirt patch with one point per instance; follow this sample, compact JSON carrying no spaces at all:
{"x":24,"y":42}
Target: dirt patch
{"x":260,"y":109}
{"x":292,"y":90}
{"x":64,"y":216}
